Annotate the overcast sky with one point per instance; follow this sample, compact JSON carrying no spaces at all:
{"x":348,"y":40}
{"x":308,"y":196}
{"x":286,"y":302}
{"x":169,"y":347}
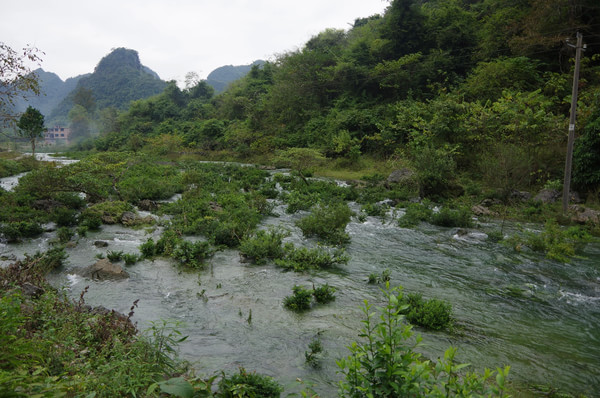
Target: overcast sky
{"x":172,"y":37}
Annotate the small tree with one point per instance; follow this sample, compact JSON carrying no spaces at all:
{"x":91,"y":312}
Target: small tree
{"x":31,"y":125}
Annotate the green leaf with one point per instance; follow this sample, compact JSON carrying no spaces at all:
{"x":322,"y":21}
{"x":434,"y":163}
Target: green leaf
{"x":178,"y":387}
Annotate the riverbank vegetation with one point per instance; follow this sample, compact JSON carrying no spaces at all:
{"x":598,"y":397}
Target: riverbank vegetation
{"x":462,"y":115}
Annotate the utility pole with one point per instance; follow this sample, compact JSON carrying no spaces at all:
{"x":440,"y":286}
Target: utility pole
{"x":569,"y":160}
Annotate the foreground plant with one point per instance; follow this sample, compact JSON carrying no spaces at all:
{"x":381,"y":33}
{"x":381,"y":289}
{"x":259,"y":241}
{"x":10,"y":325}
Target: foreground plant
{"x":385,"y":363}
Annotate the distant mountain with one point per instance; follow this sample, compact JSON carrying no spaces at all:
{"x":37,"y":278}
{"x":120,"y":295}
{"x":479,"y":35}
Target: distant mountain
{"x":221,"y":77}
{"x":52,"y":91}
{"x":118,"y":79}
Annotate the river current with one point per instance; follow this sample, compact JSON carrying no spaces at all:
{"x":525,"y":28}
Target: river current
{"x":539,"y":316}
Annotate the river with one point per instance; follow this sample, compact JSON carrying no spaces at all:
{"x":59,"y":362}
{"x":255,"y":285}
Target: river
{"x":539,"y":316}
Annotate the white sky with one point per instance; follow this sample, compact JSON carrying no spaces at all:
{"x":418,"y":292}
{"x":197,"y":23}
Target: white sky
{"x":172,"y":37}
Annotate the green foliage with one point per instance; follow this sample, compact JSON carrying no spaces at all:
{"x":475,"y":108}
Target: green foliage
{"x":303,"y":259}
{"x":64,"y":234}
{"x":17,"y":230}
{"x":586,"y":157}
{"x":414,"y":214}
{"x":386,"y":364}
{"x":263,"y":245}
{"x":324,"y":294}
{"x":300,"y":300}
{"x":384,"y":277}
{"x":448,"y":217}
{"x":557,"y":243}
{"x":114,"y":256}
{"x":192,"y":254}
{"x":31,"y":125}
{"x":327,"y":223}
{"x":130,"y":258}
{"x":431,"y":314}
{"x":313,"y":356}
{"x":247,"y":385}
{"x":49,"y":343}
{"x":148,"y":248}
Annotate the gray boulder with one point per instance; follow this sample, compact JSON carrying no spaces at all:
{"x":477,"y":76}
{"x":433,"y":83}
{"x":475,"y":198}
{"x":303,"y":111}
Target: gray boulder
{"x":399,"y":176}
{"x":104,"y":269}
{"x":547,"y":196}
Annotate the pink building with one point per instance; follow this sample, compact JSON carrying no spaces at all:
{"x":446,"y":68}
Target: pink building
{"x":57,"y":135}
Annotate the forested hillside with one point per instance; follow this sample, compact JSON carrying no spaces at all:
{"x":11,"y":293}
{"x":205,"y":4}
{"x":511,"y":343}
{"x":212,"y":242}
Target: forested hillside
{"x":118,"y":79}
{"x":448,"y":88}
{"x":221,"y":77}
{"x":52,"y":91}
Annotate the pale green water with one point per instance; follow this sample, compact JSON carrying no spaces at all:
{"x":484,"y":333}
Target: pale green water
{"x":549,"y":334}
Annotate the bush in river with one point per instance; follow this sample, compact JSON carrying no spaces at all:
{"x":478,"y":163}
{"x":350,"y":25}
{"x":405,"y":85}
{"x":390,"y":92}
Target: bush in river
{"x":324,"y":294}
{"x":247,"y":385}
{"x":302,"y":258}
{"x":328,"y":223}
{"x":431,"y":314}
{"x":17,"y":230}
{"x":414,"y":214}
{"x":263,"y":245}
{"x":299,"y":301}
{"x":385,"y":364}
{"x":448,"y":217}
{"x":192,"y":254}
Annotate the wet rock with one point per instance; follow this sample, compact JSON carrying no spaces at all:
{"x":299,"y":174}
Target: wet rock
{"x":104,"y":269}
{"x":100,"y":243}
{"x":399,"y":176}
{"x":108,"y":219}
{"x":522,"y":196}
{"x":584,"y":215}
{"x":128,"y":218}
{"x":490,"y":202}
{"x":547,"y":196}
{"x":480,"y":210}
{"x":147,"y":205}
{"x":31,"y":290}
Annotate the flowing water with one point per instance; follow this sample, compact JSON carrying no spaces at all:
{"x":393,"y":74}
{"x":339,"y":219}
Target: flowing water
{"x":520,"y":309}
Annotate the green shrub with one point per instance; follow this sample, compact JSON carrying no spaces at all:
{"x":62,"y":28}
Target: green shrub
{"x":148,"y":248}
{"x":192,"y":254}
{"x":167,"y":242}
{"x":414,"y":214}
{"x":248,"y":385}
{"x":300,"y":300}
{"x":17,"y":230}
{"x":448,"y":217}
{"x":114,"y":256}
{"x":64,"y":217}
{"x":91,"y":220}
{"x":431,"y":314}
{"x":313,"y":356}
{"x":130,"y":258}
{"x":557,"y":243}
{"x":327,"y":223}
{"x":385,"y":364}
{"x":495,"y":236}
{"x":324,"y":294}
{"x":47,"y":261}
{"x":303,"y":259}
{"x":64,"y":234}
{"x":263,"y":245}
{"x":375,"y":209}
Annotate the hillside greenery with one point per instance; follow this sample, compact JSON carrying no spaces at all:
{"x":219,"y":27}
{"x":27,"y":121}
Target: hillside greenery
{"x":452,"y":88}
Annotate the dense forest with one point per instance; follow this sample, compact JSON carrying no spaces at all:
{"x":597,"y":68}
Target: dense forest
{"x":449,"y":87}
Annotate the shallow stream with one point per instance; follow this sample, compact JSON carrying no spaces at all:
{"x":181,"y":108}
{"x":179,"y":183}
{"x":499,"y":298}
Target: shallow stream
{"x":539,"y":316}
